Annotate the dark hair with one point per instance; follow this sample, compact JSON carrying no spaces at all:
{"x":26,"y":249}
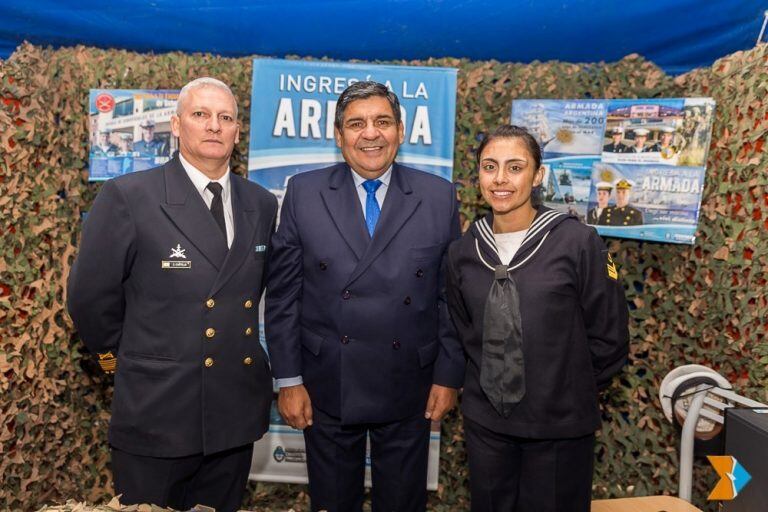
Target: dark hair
{"x":510,"y":131}
{"x":361,"y":91}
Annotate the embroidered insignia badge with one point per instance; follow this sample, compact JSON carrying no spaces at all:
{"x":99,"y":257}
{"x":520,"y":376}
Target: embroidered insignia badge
{"x":612,"y":272}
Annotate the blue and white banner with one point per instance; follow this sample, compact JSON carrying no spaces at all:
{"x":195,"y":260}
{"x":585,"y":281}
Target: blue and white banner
{"x":293,"y":104}
{"x":632,"y":168}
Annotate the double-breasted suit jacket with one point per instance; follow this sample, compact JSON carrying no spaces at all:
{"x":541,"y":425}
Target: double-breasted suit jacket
{"x":155,"y":285}
{"x":363,"y":320}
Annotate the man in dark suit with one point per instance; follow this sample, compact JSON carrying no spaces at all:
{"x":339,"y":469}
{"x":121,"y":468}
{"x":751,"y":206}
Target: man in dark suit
{"x":165,"y":290}
{"x":357,"y":324}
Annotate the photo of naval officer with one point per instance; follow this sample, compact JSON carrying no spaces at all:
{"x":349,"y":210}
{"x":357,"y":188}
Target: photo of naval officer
{"x":616,"y":145}
{"x":665,"y":144}
{"x":596,"y":215}
{"x":104,"y":146}
{"x":165,"y":292}
{"x":150,"y":144}
{"x":622,"y":214}
{"x":641,"y":137}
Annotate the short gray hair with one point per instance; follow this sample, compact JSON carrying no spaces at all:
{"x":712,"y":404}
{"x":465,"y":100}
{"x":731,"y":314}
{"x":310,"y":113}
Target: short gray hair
{"x":204,"y":81}
{"x":362,"y":91}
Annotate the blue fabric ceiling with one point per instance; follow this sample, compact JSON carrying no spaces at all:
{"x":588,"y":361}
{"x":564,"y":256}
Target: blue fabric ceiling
{"x":678,"y":35}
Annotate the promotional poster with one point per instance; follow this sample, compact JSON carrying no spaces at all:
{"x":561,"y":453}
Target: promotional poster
{"x":129,"y":130}
{"x":632,"y":168}
{"x":293,"y":104}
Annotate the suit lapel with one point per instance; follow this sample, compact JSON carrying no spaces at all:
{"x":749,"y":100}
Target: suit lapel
{"x":399,"y":204}
{"x":343,"y":204}
{"x":187,"y":210}
{"x":246,"y":220}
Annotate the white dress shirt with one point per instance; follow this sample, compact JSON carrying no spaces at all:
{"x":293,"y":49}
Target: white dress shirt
{"x":362,"y":194}
{"x":201,"y":181}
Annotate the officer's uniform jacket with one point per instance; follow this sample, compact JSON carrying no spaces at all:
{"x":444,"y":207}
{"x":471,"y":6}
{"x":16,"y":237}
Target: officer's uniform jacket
{"x":622,"y":216}
{"x":155,"y":286}
{"x":594,"y":218}
{"x":615,"y":148}
{"x":574,"y":323}
{"x":155,"y":147}
{"x":363,"y":321}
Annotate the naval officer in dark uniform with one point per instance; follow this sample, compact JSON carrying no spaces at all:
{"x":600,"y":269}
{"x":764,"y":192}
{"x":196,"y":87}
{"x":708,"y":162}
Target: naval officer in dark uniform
{"x":537,"y":303}
{"x":622,"y":214}
{"x":665,"y":144}
{"x":596,"y":215}
{"x":149,"y":145}
{"x":165,"y":290}
{"x":616,"y":146}
{"x":641,"y":137}
{"x":104,"y":146}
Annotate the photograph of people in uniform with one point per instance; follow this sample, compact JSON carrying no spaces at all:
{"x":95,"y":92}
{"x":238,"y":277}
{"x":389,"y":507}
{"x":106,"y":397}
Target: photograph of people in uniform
{"x":638,"y":143}
{"x":665,"y":144}
{"x":622,"y":214}
{"x":596,"y":215}
{"x":530,"y":399}
{"x":150,"y":144}
{"x":125,"y":144}
{"x":616,"y":145}
{"x":104,"y":146}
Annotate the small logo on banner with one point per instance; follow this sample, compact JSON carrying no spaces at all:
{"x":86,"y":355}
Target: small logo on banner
{"x":733,"y":477}
{"x":105,"y":102}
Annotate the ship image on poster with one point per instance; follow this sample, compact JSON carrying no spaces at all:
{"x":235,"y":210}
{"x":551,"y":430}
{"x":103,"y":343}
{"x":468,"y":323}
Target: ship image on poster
{"x":130,"y":130}
{"x":633,"y":168}
{"x":570,"y":135}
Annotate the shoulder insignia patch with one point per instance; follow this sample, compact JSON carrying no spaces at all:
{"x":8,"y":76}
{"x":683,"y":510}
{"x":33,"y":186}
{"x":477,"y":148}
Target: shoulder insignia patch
{"x":612,"y":272}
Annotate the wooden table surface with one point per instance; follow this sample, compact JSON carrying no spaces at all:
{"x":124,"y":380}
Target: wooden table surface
{"x":644,"y":504}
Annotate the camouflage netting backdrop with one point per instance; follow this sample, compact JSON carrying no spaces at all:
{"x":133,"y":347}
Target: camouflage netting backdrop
{"x":690,"y":304}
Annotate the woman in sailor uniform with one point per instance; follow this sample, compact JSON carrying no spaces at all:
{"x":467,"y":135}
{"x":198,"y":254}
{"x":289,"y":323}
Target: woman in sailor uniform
{"x":537,"y":304}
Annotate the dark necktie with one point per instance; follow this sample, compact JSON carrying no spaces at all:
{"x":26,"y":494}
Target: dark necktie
{"x":502,"y":372}
{"x":372,"y":209}
{"x":217,"y":206}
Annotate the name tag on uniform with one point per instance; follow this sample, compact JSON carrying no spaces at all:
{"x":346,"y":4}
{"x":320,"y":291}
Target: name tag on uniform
{"x":175,"y":264}
{"x":260,"y":248}
{"x":180,"y":263}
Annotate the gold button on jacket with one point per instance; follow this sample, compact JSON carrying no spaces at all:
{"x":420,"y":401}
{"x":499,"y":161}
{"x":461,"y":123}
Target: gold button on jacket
{"x":210,"y":332}
{"x":208,"y":362}
{"x":248,"y":331}
{"x":247,"y":361}
{"x":210,"y":303}
{"x":248,"y":304}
